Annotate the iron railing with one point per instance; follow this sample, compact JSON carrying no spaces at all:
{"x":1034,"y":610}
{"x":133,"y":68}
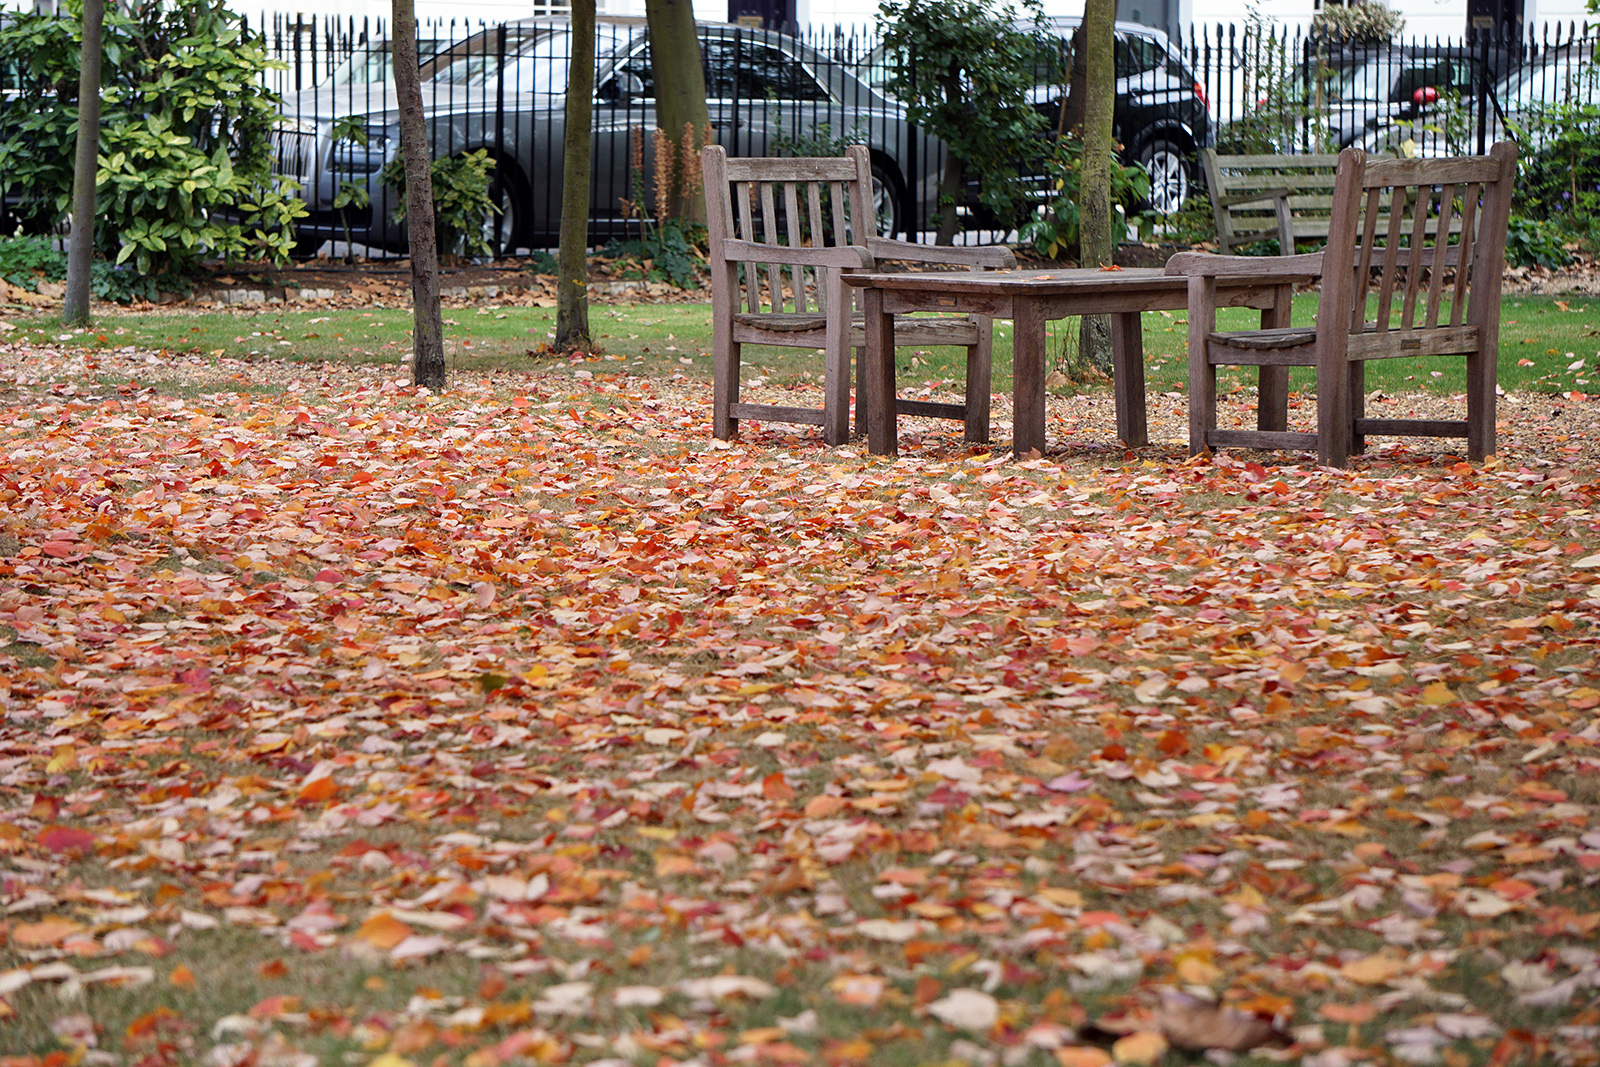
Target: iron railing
{"x":1268,"y":89}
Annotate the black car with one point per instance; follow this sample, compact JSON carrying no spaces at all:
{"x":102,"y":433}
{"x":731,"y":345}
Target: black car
{"x":1162,"y":117}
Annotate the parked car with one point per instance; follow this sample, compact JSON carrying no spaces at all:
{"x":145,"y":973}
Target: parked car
{"x":1364,"y":94}
{"x":1161,"y":117}
{"x":1522,"y":104}
{"x":504,"y":90}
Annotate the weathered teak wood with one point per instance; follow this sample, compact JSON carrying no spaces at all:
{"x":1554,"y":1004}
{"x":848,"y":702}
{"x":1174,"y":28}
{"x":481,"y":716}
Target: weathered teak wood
{"x":1033,"y":298}
{"x":1412,"y":268}
{"x":783,"y":233}
{"x":1263,"y":197}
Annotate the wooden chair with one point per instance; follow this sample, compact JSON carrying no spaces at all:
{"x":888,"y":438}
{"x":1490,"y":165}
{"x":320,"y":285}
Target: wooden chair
{"x":782,"y":232}
{"x":1391,"y":291}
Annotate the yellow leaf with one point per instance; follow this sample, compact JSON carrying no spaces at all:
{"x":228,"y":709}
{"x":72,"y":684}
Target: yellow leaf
{"x":1372,"y":970}
{"x":1140,"y":1047}
{"x":1438,"y":694}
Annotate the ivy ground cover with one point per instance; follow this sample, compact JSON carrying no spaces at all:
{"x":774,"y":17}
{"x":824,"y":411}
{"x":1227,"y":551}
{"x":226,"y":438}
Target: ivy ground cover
{"x":347,"y":724}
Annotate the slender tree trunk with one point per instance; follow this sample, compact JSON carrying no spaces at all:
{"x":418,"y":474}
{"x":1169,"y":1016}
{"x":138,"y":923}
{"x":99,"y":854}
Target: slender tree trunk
{"x":680,"y":102}
{"x":427,"y":339}
{"x":572,"y":284}
{"x":953,"y":178}
{"x":1097,"y":242}
{"x":85,"y":170}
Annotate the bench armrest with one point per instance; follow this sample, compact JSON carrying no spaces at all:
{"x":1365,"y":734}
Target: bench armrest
{"x":850,"y":257}
{"x":1207,"y":265}
{"x":910,"y":251}
{"x":1250,"y":198}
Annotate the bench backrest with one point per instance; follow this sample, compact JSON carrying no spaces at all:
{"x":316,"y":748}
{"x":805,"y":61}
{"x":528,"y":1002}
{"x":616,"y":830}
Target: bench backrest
{"x":1255,"y":198}
{"x":758,"y":205}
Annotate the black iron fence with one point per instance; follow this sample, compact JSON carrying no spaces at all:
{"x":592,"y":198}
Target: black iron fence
{"x":501,"y":89}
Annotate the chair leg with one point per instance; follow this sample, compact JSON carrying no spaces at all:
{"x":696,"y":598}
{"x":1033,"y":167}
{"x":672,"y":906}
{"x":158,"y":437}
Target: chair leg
{"x":859,"y":391}
{"x":980,"y":367}
{"x":836,"y":365}
{"x":724,"y":386}
{"x":1272,"y":383}
{"x":1334,"y":414}
{"x":1358,"y":406}
{"x":1481,"y":375}
{"x":1202,"y":373}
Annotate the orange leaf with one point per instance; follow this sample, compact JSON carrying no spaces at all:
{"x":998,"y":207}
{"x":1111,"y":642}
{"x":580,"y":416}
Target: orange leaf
{"x":182,"y":977}
{"x":51,"y":931}
{"x":384,"y":931}
{"x":776,"y":788}
{"x":319,"y":789}
{"x":821,"y":807}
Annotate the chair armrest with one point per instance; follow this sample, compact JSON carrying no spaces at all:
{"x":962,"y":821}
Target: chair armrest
{"x":1207,"y":265}
{"x":851,"y":257}
{"x":1249,"y":198}
{"x":984,"y":256}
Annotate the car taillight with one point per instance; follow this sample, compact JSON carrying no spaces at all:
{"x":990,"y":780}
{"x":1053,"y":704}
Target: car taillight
{"x":1200,"y":91}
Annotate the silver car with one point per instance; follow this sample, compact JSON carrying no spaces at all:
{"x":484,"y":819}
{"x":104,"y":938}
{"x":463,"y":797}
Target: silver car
{"x":504,"y":90}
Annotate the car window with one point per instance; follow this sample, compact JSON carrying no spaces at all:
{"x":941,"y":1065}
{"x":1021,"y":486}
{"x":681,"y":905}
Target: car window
{"x":1568,"y":80}
{"x":1136,"y":54}
{"x":754,"y":70}
{"x":736,"y":68}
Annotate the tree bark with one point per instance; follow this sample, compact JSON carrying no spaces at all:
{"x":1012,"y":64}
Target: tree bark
{"x":85,"y":170}
{"x":427,"y":337}
{"x":572,"y":258}
{"x":680,"y":103}
{"x":1097,"y":242}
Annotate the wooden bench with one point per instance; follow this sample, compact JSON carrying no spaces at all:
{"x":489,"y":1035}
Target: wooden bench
{"x":1269,"y":198}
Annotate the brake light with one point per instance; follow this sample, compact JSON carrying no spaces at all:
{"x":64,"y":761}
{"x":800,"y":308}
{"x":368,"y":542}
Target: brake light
{"x":1200,"y":91}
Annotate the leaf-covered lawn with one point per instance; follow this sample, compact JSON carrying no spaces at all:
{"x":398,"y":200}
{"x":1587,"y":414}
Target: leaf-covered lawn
{"x":524,"y":724}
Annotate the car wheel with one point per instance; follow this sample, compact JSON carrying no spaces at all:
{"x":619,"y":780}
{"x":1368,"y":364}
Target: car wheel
{"x":886,"y":199}
{"x":306,"y":247}
{"x":502,"y":230}
{"x":1170,"y":179}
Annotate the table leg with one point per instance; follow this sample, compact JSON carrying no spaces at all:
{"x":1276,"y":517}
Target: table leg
{"x":1127,"y":378}
{"x":878,"y":376}
{"x":1027,"y":377}
{"x":1272,"y":383}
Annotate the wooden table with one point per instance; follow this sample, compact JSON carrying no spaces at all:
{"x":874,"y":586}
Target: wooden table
{"x":1032,"y":298}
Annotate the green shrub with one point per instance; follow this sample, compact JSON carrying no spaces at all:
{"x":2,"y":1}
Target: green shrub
{"x":462,"y":206}
{"x":26,"y":261}
{"x":1558,"y":179}
{"x":185,"y":138}
{"x":1530,"y":242}
{"x":1054,"y":231}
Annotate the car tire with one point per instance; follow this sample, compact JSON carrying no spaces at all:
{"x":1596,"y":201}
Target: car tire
{"x":887,"y":199}
{"x":1171,"y":180}
{"x":307,"y":246}
{"x":503,"y":230}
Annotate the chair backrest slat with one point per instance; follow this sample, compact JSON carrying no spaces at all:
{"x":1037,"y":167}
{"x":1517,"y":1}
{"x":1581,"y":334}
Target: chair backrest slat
{"x":1469,"y":232}
{"x":1438,"y":263}
{"x":1427,"y":249}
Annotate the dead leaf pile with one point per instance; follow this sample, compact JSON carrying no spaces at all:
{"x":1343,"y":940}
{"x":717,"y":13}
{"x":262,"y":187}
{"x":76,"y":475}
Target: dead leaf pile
{"x":525,"y":724}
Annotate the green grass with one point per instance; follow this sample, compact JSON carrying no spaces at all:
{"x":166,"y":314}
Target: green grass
{"x":1541,"y":338}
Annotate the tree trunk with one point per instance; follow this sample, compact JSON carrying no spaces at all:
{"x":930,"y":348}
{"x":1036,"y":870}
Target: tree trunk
{"x":953,"y":178}
{"x":85,"y":170}
{"x":427,"y":338}
{"x":1097,"y":242}
{"x":680,"y":103}
{"x":572,"y":284}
